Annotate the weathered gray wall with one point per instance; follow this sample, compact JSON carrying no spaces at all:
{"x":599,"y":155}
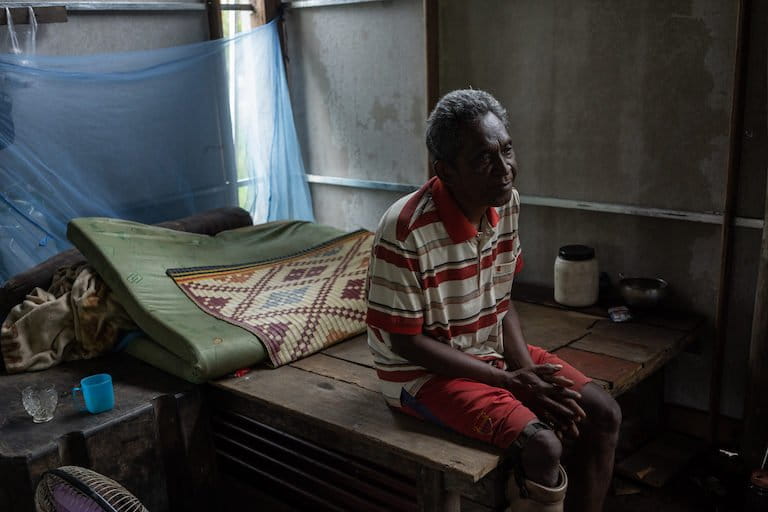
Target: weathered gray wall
{"x":88,"y":33}
{"x":622,"y":102}
{"x":610,"y":101}
{"x":357,"y":83}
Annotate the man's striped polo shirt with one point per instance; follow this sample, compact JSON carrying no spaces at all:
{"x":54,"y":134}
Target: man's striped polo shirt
{"x":432,"y":272}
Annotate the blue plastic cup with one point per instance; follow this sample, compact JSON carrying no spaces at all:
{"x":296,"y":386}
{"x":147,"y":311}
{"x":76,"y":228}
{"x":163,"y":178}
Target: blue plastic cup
{"x":98,"y":394}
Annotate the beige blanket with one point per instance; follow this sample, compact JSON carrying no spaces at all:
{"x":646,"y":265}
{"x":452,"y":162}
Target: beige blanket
{"x":77,"y":318}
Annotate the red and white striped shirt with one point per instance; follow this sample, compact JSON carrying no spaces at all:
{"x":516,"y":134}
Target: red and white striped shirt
{"x":433,"y":272}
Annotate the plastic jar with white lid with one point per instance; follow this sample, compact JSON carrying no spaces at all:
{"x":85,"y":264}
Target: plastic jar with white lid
{"x":576,"y":276}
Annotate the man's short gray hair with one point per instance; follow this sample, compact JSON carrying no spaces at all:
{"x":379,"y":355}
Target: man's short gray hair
{"x":455,"y":109}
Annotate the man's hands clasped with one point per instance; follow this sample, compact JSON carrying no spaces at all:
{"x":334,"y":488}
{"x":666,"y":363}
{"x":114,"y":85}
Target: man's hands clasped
{"x":548,"y":395}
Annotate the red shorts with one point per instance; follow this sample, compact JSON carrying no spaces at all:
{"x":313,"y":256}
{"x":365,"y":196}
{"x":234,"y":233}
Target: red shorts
{"x":478,"y":410}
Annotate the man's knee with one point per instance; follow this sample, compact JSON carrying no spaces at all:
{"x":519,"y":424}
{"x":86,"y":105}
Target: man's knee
{"x":542,"y":452}
{"x":603,"y":412}
{"x":612,"y":415}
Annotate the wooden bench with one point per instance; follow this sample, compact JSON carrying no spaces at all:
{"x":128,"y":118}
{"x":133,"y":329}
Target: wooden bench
{"x":318,"y":432}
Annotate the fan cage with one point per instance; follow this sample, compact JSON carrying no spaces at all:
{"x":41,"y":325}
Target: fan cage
{"x":108,"y":494}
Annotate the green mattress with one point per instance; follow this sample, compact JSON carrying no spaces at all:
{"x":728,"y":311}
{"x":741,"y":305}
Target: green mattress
{"x":182,"y":339}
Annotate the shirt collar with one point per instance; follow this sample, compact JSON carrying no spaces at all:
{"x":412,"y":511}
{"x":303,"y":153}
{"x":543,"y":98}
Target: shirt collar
{"x":456,"y":223}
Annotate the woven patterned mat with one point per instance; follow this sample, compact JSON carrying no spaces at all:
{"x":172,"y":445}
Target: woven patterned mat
{"x":296,"y":305}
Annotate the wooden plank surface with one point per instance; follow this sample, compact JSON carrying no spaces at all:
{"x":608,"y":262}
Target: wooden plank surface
{"x":650,"y":366}
{"x":339,"y":369}
{"x":551,"y":328}
{"x":354,"y":350}
{"x":632,"y":332}
{"x":670,"y":320}
{"x":649,"y":346}
{"x":323,"y":402}
{"x":607,"y":368}
{"x":617,"y":347}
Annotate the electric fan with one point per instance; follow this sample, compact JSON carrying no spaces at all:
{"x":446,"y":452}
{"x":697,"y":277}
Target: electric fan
{"x":76,"y":489}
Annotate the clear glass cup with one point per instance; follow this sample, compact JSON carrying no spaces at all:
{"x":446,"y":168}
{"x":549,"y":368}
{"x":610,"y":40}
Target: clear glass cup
{"x":40,"y":402}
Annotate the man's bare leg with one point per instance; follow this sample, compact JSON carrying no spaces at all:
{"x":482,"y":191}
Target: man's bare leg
{"x":543,"y":486}
{"x":590,"y":464}
{"x":541,"y":456}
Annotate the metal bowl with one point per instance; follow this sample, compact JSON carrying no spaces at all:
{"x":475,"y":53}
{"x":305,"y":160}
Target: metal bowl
{"x":642,"y":292}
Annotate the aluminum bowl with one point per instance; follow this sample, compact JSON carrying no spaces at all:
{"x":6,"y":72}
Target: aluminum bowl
{"x":642,"y":292}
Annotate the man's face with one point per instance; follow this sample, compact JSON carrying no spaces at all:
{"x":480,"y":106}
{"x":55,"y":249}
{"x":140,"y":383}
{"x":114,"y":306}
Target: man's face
{"x":485,"y":168}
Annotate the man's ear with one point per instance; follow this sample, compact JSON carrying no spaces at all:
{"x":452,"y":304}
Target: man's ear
{"x":444,"y":171}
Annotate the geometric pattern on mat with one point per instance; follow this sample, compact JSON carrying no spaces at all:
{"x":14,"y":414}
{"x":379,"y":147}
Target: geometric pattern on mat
{"x":296,"y":304}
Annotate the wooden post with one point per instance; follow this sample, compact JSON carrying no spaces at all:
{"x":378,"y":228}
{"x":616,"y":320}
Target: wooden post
{"x":726,"y":237}
{"x":215,"y":28}
{"x":432,"y":44}
{"x":432,"y":494}
{"x":264,"y":11}
{"x":755,"y":440}
{"x":432,"y":35}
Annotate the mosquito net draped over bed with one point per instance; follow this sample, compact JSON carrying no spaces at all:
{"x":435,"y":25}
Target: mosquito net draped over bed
{"x":144,"y":136}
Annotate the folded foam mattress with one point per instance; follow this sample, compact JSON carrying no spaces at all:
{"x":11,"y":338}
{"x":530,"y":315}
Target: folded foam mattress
{"x":181,"y":339}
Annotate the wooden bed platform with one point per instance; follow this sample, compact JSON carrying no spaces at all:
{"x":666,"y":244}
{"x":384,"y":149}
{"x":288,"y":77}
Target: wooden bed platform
{"x":317,"y":433}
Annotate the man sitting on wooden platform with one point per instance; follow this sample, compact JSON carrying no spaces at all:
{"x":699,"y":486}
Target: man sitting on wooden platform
{"x":445,"y":336}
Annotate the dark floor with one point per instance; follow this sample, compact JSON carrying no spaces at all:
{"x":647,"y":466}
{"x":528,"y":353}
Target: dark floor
{"x":712,"y":482}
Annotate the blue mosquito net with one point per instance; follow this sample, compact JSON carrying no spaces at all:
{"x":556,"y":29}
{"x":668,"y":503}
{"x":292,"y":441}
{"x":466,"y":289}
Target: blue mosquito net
{"x":145,"y":136}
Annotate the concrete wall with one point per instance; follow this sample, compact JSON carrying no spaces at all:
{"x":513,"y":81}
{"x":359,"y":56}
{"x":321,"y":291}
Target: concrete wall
{"x":623,"y":102}
{"x":88,"y":33}
{"x":357,"y":79}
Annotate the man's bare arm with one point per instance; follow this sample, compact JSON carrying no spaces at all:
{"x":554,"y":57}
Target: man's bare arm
{"x":515,"y":349}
